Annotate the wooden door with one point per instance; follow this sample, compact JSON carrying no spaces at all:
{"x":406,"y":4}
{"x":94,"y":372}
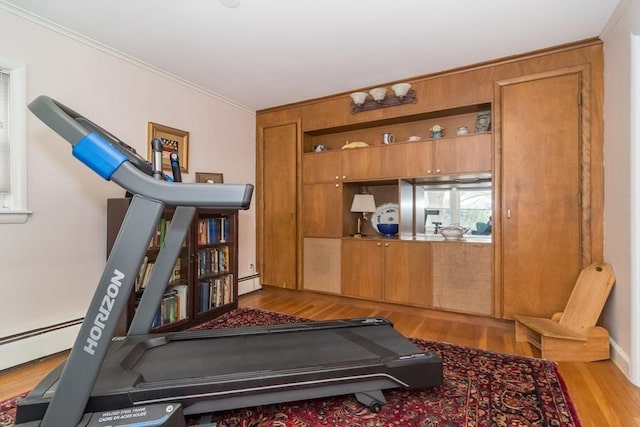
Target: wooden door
{"x":279,"y":235}
{"x":541,"y":216}
{"x":407,"y":273}
{"x":362,"y":268}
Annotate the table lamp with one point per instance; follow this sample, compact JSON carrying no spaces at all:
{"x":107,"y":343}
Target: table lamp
{"x":364,"y":203}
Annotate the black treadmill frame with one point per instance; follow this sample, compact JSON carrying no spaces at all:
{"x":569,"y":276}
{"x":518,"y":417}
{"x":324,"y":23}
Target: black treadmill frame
{"x":77,"y":394}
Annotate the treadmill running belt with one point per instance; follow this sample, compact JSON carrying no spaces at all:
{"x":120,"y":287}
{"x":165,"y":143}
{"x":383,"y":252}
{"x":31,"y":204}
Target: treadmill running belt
{"x":196,"y":358}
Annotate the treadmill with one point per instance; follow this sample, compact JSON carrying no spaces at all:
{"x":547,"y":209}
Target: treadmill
{"x":158,"y":379}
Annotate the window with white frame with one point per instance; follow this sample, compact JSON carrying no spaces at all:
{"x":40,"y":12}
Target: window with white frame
{"x":13,"y":145}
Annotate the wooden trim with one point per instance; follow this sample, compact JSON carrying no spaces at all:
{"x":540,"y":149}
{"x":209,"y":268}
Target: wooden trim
{"x":457,"y":70}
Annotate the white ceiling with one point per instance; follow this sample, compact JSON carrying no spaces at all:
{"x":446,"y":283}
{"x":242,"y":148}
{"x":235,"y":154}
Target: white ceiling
{"x":266,"y":53}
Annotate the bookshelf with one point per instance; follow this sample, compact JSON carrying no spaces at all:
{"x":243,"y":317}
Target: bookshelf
{"x":203,"y":282}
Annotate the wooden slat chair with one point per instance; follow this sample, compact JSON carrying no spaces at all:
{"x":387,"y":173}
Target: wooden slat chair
{"x":572,"y":335}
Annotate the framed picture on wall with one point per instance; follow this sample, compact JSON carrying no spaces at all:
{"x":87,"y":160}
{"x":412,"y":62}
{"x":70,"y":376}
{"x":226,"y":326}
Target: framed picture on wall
{"x":172,"y":140}
{"x":209,"y":178}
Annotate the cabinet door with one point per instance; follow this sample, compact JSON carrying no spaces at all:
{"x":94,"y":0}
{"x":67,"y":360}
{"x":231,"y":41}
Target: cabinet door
{"x":322,"y":210}
{"x":362,"y":163}
{"x":541,"y":217}
{"x":362,"y":268}
{"x":322,"y":167}
{"x":463,"y":154}
{"x":279,"y":235}
{"x":411,"y":159}
{"x":321,"y":271}
{"x":462,"y":279}
{"x":407,"y":272}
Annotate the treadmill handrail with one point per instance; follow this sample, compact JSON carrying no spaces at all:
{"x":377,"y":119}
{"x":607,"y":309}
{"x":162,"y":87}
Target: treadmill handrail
{"x":115,"y":160}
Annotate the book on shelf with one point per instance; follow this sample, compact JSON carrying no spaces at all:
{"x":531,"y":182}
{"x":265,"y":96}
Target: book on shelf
{"x":213,"y":260}
{"x":213,"y":230}
{"x":147,"y":268}
{"x":215,"y":292}
{"x":173,"y":306}
{"x":157,"y":240}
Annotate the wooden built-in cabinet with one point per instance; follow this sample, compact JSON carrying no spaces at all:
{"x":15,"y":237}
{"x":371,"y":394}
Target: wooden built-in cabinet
{"x":543,"y":155}
{"x":204,"y":281}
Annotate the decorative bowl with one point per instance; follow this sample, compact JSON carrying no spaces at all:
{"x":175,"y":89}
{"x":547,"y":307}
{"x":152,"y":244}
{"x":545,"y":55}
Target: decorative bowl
{"x":453,"y":232}
{"x":388,"y":229}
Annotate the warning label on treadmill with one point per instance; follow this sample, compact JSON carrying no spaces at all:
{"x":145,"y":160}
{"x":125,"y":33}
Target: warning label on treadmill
{"x":139,"y":415}
{"x":123,"y":414}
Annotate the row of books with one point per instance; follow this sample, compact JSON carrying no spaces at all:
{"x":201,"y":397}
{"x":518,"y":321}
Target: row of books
{"x":173,"y":306}
{"x":213,"y":260}
{"x":145,"y":273}
{"x":215,"y":292}
{"x":157,"y":240}
{"x":213,"y":230}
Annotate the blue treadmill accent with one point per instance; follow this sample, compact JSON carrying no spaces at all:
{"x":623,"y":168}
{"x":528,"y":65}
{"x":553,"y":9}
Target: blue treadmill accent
{"x":96,"y":152}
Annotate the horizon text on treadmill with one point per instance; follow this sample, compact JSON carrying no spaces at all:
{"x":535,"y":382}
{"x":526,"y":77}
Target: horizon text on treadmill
{"x":104,"y":312}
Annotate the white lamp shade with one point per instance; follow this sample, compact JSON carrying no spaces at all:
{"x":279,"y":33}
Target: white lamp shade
{"x":401,"y":89}
{"x":363,"y":203}
{"x":359,"y":97}
{"x":378,"y":93}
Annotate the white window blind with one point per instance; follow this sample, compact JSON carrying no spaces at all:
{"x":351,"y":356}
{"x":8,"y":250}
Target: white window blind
{"x":5,"y":155}
{"x":13,"y":142}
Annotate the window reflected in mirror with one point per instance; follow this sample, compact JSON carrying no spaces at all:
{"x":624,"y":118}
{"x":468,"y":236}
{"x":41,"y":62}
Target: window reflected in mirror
{"x":468,"y":205}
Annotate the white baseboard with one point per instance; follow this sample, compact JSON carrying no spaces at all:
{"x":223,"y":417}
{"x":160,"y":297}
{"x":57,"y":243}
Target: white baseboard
{"x":34,"y":347}
{"x":248,"y":284}
{"x":620,"y":358}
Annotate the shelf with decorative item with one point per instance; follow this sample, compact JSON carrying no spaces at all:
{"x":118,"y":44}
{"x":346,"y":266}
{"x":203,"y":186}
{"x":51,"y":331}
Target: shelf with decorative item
{"x":466,"y":120}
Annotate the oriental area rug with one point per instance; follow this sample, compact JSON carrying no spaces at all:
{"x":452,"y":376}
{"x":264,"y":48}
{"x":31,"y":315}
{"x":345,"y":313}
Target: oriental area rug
{"x":481,"y":388}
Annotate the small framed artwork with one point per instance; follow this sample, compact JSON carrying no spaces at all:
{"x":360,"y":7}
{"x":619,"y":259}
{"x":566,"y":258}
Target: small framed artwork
{"x":172,"y":140}
{"x":209,"y":178}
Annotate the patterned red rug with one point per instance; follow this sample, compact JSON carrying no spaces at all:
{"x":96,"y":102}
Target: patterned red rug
{"x":481,"y":388}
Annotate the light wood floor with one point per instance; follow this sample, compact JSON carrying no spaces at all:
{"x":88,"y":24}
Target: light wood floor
{"x":602,"y":394}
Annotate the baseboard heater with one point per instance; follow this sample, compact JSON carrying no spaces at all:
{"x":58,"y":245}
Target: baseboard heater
{"x":249,"y":284}
{"x":31,"y":345}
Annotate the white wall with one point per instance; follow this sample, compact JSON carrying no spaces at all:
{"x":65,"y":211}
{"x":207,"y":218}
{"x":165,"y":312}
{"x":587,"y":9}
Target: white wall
{"x":618,"y":219}
{"x":51,"y":264}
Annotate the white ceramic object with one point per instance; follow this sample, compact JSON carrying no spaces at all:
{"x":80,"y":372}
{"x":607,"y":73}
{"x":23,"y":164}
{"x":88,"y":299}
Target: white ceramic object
{"x":378,"y":93}
{"x":453,"y":232}
{"x":401,"y":89}
{"x":386,"y":213}
{"x":359,"y":97}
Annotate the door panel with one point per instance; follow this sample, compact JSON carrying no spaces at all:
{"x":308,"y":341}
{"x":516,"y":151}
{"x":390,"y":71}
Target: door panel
{"x":541,"y":218}
{"x":279,"y":206}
